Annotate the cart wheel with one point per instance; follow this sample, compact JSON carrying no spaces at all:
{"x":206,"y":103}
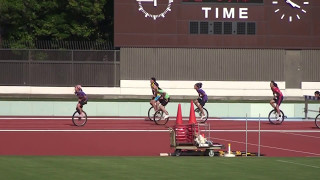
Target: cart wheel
{"x":211,"y":153}
{"x":178,"y":152}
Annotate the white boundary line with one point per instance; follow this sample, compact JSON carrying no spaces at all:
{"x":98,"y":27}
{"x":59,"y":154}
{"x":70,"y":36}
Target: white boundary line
{"x":83,"y":130}
{"x":271,"y":147}
{"x":278,"y":131}
{"x":68,"y":118}
{"x":142,"y":118}
{"x":303,"y":135}
{"x":149,"y":130}
{"x":307,"y":165}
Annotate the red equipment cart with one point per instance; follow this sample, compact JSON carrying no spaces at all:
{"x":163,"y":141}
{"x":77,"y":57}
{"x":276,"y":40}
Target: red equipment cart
{"x":193,"y":137}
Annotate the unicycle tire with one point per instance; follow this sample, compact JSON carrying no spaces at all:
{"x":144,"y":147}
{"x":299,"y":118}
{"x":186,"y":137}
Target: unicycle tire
{"x":158,"y":118}
{"x":273,"y":118}
{"x":79,"y":121}
{"x":151,"y":112}
{"x":317,"y":121}
{"x":197,"y":113}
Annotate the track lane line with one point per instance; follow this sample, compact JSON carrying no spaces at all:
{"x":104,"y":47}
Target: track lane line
{"x":82,"y":130}
{"x":307,"y":165}
{"x":303,"y":135}
{"x":152,"y":130}
{"x":271,"y":147}
{"x":143,"y":118}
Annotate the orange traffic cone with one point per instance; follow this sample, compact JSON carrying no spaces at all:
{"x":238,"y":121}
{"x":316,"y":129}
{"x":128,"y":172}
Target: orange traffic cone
{"x":192,"y":117}
{"x":179,"y":115}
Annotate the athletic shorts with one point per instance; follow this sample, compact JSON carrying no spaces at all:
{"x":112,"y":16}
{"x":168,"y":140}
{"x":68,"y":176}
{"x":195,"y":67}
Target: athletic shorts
{"x":278,"y":100}
{"x":201,"y":101}
{"x":164,"y":102}
{"x":83,"y":102}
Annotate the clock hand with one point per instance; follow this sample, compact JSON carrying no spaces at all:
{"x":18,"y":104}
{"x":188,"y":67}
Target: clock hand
{"x":294,"y":5}
{"x":155,"y":2}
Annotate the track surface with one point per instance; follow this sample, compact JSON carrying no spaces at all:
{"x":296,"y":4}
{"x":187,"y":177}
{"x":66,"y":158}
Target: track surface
{"x":139,"y":137}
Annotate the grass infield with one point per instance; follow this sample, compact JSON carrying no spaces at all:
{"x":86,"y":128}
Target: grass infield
{"x":153,"y":168}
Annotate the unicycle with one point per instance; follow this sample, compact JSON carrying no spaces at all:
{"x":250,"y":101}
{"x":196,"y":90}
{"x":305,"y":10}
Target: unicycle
{"x":197,"y":112}
{"x":159,"y":119}
{"x":151,"y":112}
{"x":79,"y":121}
{"x":273,"y":117}
{"x":317,"y":121}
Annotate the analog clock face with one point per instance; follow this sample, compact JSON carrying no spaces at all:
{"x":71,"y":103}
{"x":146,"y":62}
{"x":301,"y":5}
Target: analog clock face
{"x":155,"y":4}
{"x":296,"y":9}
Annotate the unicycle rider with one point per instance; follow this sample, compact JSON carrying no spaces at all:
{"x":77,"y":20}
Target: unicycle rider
{"x":82,"y":99}
{"x":202,"y":99}
{"x":155,"y":96}
{"x":317,"y":95}
{"x":164,"y":99}
{"x":277,"y":98}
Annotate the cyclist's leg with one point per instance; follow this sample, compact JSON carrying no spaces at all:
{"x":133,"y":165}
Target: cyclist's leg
{"x":153,"y":104}
{"x":202,"y":103}
{"x":79,"y":109}
{"x":157,"y":103}
{"x":278,"y":103}
{"x":163,"y":109}
{"x":162,"y":105}
{"x":278,"y":109}
{"x":272,"y":103}
{"x":198,"y":102}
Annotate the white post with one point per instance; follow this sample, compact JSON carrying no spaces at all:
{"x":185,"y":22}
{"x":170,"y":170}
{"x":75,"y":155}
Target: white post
{"x":246,"y":135}
{"x":259,"y":136}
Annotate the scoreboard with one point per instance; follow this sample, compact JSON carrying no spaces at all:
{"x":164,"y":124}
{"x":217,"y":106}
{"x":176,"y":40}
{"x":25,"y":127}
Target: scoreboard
{"x":284,"y":24}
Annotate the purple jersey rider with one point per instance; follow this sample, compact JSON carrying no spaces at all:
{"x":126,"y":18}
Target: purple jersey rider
{"x":203,"y":98}
{"x":82,"y":99}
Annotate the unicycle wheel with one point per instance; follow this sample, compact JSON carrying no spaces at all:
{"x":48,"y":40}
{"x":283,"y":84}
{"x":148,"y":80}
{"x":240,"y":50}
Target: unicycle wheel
{"x":79,"y":121}
{"x":273,"y":117}
{"x":159,"y":119}
{"x":317,"y":121}
{"x":198,"y":115}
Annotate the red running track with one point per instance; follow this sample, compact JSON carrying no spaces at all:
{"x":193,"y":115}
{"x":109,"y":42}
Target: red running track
{"x":138,"y":137}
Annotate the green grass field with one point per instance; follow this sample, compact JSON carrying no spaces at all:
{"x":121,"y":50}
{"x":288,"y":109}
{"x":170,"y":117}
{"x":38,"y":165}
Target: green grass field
{"x":153,"y":168}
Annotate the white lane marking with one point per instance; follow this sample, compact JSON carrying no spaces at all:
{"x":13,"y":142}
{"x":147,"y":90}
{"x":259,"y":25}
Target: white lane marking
{"x":142,"y":118}
{"x":307,"y":165}
{"x":149,"y":130}
{"x":303,"y":135}
{"x":68,"y":118}
{"x":278,"y":131}
{"x":155,"y":130}
{"x":271,"y":147}
{"x":81,"y":130}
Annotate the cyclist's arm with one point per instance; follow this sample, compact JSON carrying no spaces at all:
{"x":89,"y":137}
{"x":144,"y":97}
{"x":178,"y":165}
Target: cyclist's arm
{"x":157,"y":98}
{"x":157,"y":95}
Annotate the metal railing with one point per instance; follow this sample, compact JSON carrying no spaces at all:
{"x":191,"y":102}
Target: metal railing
{"x":54,"y":44}
{"x":60,"y":67}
